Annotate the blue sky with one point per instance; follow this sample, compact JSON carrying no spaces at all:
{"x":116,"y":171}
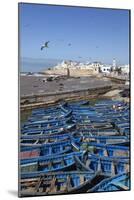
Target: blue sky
{"x":94,"y":34}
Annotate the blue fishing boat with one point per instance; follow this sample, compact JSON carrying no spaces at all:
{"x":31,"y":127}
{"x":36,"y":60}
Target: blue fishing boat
{"x":49,"y":117}
{"x":119,"y":182}
{"x":75,"y":147}
{"x":45,"y":110}
{"x":49,"y":148}
{"x":89,"y":130}
{"x":113,"y":139}
{"x":57,"y":183}
{"x":108,"y":165}
{"x":52,"y":114}
{"x":104,"y":149}
{"x":51,"y":130}
{"x":31,"y":139}
{"x":43,"y":139}
{"x":53,"y":163}
{"x":29,"y":167}
{"x":45,"y":124}
{"x":125,"y":131}
{"x":98,"y":131}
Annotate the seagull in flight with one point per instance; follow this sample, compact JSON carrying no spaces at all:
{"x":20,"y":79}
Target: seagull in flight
{"x":45,"y":45}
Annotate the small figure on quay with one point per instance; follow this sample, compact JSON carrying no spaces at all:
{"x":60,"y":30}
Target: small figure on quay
{"x":68,"y":73}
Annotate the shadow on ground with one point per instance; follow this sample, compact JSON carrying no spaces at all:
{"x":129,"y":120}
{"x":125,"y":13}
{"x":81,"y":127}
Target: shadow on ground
{"x":13,"y":193}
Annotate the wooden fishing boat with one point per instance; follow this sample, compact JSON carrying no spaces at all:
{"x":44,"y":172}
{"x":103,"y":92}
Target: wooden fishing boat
{"x":105,"y":139}
{"x":113,"y":116}
{"x":119,"y":182}
{"x":125,"y":131}
{"x":105,"y":130}
{"x":43,"y":139}
{"x":81,"y":126}
{"x":47,"y":149}
{"x":119,"y":125}
{"x":111,"y":108}
{"x":59,"y":113}
{"x":53,"y":163}
{"x":82,"y":118}
{"x":51,"y":130}
{"x":104,"y":149}
{"x":108,"y":165}
{"x":89,"y":139}
{"x":32,"y":153}
{"x":65,"y":109}
{"x":49,"y":117}
{"x":97,"y":132}
{"x":84,"y":113}
{"x":87,"y":109}
{"x":102,"y":125}
{"x":59,"y":183}
{"x":45,"y":110}
{"x":86,"y":121}
{"x":45,"y":124}
{"x":109,"y":102}
{"x":29,"y":167}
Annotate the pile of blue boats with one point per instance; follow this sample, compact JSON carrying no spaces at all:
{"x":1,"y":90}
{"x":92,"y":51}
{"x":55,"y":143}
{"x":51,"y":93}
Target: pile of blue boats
{"x":75,"y":147}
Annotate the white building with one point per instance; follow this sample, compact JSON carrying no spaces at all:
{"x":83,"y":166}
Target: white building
{"x":96,"y":66}
{"x":125,"y":69}
{"x":105,"y":69}
{"x":72,"y":65}
{"x":63,"y":65}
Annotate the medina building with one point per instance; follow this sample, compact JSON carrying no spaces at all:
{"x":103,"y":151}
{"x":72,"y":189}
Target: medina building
{"x":101,"y":68}
{"x":125,"y":69}
{"x":105,"y":69}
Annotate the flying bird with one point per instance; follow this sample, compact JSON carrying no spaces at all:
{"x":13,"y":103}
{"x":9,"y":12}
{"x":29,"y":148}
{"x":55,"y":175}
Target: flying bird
{"x":69,"y":44}
{"x":45,"y":45}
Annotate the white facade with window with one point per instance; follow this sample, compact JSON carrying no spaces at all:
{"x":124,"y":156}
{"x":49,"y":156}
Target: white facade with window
{"x":105,"y":69}
{"x":125,"y":69}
